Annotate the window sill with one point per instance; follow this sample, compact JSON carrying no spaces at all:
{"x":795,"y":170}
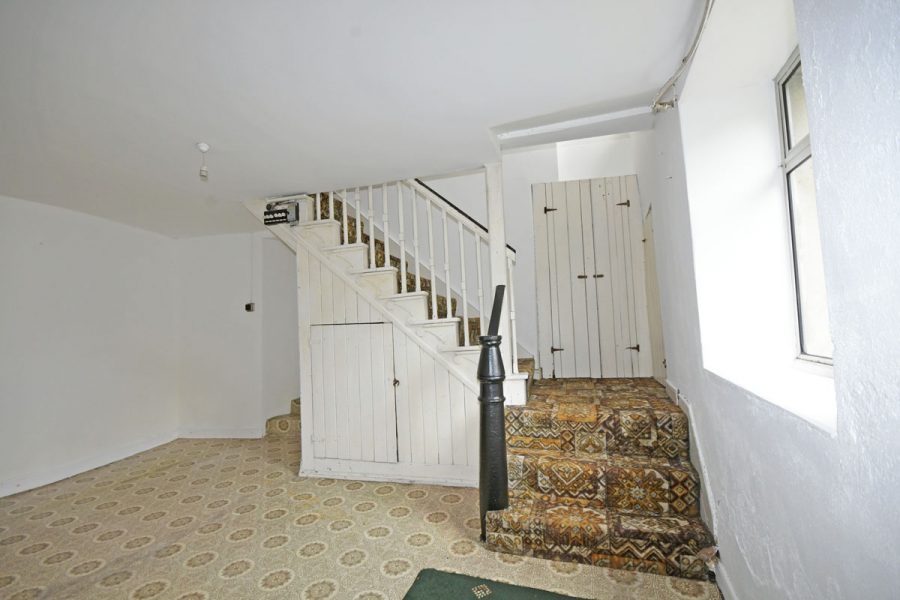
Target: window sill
{"x":802,"y":388}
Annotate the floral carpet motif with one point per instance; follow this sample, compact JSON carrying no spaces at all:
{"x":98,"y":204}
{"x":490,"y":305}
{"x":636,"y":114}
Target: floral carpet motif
{"x":218,"y":519}
{"x":599,"y":474}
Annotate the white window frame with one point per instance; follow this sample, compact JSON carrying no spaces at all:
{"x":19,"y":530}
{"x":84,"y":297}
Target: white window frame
{"x":791,"y":158}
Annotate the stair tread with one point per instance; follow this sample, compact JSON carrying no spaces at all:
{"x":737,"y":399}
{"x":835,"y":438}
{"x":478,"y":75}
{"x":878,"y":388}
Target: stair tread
{"x":579,"y":532}
{"x":606,"y":458}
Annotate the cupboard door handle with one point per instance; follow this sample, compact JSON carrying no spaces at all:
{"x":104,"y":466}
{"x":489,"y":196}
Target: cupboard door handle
{"x":582,"y":277}
{"x":598,"y":276}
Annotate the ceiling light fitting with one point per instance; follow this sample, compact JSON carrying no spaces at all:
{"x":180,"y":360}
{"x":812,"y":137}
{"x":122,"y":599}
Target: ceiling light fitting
{"x":203,"y":147}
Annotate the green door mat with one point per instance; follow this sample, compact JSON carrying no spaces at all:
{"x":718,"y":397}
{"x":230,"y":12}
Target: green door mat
{"x":440,"y":585}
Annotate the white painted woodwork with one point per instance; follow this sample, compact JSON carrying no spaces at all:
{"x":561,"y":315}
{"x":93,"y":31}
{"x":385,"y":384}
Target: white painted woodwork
{"x":443,"y":331}
{"x":498,"y":253}
{"x":412,"y":306}
{"x":592,"y":301}
{"x":351,"y":256}
{"x":382,"y":281}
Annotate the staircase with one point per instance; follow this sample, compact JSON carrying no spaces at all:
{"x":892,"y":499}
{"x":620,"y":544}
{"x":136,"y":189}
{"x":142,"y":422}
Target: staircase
{"x":599,"y":473}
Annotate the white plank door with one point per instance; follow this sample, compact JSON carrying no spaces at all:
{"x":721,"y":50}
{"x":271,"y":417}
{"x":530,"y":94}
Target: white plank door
{"x":592,"y":302}
{"x":354,"y":402}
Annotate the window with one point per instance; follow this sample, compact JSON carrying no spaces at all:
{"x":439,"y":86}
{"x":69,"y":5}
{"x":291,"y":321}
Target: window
{"x":814,"y":332}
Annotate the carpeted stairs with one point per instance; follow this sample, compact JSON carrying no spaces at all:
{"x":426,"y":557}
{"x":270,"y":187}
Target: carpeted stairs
{"x":425,"y":284}
{"x":599,"y":473}
{"x":286,"y":424}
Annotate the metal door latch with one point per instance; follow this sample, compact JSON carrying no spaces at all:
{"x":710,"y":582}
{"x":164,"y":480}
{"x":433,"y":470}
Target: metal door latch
{"x":552,"y":349}
{"x":637,"y":347}
{"x":546,"y":210}
{"x":396,"y":382}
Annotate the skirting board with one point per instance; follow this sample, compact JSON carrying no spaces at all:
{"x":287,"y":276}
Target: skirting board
{"x":28,"y":480}
{"x":223,"y":432}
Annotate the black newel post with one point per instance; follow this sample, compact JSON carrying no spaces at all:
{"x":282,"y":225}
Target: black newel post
{"x":492,"y":474}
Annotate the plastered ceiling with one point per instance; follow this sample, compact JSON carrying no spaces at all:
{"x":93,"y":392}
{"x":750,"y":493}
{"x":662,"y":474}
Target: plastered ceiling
{"x":102,"y":101}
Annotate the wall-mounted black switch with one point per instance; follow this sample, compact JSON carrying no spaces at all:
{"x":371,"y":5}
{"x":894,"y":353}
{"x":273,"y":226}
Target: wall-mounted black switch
{"x":250,"y":306}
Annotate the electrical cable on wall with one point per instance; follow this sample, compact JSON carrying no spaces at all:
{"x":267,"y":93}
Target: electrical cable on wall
{"x":658,"y":103}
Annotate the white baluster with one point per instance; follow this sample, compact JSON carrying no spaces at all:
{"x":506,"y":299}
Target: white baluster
{"x":316,"y":214}
{"x":462,"y":284}
{"x":385,"y":226}
{"x":415,"y":220}
{"x":434,"y":314}
{"x":401,"y":240}
{"x":331,"y":205}
{"x":372,"y":264}
{"x":345,"y":207}
{"x":482,"y":320}
{"x":446,"y":261}
{"x":512,"y":315}
{"x":358,"y":235}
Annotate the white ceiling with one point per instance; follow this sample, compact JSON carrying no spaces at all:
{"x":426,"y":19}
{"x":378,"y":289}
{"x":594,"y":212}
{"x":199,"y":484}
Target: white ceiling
{"x":102,"y":101}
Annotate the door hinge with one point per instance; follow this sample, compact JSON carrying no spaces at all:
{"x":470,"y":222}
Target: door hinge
{"x":626,"y":203}
{"x":553,"y":349}
{"x":665,"y":364}
{"x":546,"y":210}
{"x":637,"y":347}
{"x":582,"y":277}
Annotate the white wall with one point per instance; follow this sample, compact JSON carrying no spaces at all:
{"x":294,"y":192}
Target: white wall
{"x":87,"y":342}
{"x":607,"y":156}
{"x":220,"y":343}
{"x":799,"y":513}
{"x":278,"y":308}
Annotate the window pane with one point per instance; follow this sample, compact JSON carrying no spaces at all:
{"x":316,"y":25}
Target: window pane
{"x":795,"y":107}
{"x":815,"y":334}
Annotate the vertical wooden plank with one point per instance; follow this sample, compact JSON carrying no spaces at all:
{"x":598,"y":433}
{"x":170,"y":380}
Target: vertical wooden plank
{"x":625,"y":233}
{"x":366,"y":400}
{"x":354,"y":401}
{"x":444,"y":418}
{"x":581,"y":354}
{"x":609,"y":357}
{"x":390,"y":395}
{"x":376,"y":340}
{"x":342,"y":362}
{"x":305,"y":354}
{"x":404,"y":421}
{"x":542,"y":278}
{"x":620,"y":294}
{"x":327,"y":295}
{"x":592,"y":325}
{"x":429,"y":402}
{"x":331,"y":423}
{"x":317,"y":354}
{"x":415,"y":397}
{"x":363,"y":310}
{"x":314,"y":291}
{"x":565,"y":359}
{"x":639,"y":260}
{"x":458,"y":421}
{"x":339,"y":293}
{"x":350,"y":302}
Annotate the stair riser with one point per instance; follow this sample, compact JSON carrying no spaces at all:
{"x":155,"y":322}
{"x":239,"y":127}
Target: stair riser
{"x":660,"y":546}
{"x":658,"y":490}
{"x":441,"y":335}
{"x":322,"y":234}
{"x":380,"y":284}
{"x":283,"y":426}
{"x":411,"y":309}
{"x":353,"y":259}
{"x":639,"y":433}
{"x":467,"y":362}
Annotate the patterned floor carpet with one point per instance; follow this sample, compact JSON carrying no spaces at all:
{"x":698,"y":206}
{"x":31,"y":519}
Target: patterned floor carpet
{"x":214,"y":519}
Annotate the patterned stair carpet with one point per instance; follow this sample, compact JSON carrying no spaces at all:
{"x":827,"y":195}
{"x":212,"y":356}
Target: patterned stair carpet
{"x":288,"y":424}
{"x":220,"y":519}
{"x":425,"y":285}
{"x":599,"y":473}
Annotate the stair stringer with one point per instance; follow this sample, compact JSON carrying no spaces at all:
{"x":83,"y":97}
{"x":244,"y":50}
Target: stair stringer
{"x":445,"y":449}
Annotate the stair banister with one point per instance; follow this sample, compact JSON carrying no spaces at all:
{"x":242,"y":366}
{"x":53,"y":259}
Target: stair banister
{"x":415,"y":222}
{"x":493,"y":486}
{"x":371,"y":231}
{"x":401,"y":239}
{"x":359,"y":223}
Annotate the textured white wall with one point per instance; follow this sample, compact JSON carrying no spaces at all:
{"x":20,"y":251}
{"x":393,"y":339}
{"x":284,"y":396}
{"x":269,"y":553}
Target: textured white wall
{"x":87,"y":342}
{"x":278,"y":308}
{"x":799,"y":513}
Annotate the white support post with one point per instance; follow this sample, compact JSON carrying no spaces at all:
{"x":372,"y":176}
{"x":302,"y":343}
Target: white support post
{"x":372,"y":264}
{"x":447,"y":262}
{"x":385,"y":226}
{"x":493,"y":176}
{"x":344,"y":209}
{"x":462,"y":284}
{"x":401,"y":239}
{"x":415,"y":220}
{"x":359,"y":225}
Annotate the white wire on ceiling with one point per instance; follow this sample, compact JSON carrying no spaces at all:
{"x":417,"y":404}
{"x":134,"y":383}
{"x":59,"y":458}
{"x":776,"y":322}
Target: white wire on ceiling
{"x":658,"y":103}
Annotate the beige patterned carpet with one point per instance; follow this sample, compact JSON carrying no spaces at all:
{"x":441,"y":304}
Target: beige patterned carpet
{"x":198,"y":519}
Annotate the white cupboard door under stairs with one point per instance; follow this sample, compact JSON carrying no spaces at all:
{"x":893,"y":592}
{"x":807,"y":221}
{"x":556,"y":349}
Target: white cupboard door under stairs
{"x":592,"y":303}
{"x":354,"y":401}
